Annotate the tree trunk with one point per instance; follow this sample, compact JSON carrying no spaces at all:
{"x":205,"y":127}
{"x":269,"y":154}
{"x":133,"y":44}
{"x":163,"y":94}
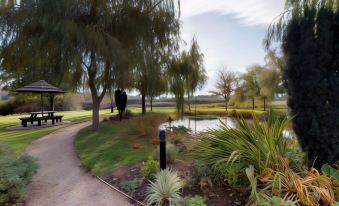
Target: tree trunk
{"x":188,"y":102}
{"x":253,"y":103}
{"x":111,"y":97}
{"x":151,"y":102}
{"x":95,"y":114}
{"x":182,"y":108}
{"x":226,"y":105}
{"x":143,"y":103}
{"x":264,"y":103}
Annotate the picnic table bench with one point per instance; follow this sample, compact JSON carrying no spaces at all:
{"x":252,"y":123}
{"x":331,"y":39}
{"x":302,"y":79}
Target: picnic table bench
{"x":35,"y":118}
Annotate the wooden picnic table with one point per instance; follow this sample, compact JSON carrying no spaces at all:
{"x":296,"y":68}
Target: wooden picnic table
{"x":35,"y":114}
{"x":35,"y":118}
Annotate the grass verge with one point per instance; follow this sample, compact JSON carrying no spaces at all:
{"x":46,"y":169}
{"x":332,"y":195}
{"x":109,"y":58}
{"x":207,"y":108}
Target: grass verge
{"x":112,"y":146}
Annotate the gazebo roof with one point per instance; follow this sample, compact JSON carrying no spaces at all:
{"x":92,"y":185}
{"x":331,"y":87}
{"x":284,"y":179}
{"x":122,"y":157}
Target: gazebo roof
{"x":40,"y":87}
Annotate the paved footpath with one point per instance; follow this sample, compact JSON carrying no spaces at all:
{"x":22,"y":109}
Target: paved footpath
{"x":61,"y":180}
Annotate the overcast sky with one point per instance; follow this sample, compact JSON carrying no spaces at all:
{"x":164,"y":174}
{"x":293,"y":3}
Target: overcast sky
{"x":230,"y":33}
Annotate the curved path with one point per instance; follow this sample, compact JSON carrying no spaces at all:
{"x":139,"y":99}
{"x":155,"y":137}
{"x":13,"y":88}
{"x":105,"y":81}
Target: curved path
{"x":61,"y":180}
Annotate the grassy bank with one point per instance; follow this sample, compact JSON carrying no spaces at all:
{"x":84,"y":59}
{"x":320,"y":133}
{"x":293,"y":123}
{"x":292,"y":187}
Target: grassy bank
{"x":112,"y":146}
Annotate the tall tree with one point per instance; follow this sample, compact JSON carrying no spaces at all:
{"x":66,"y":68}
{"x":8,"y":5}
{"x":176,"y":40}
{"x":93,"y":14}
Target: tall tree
{"x":196,"y":74}
{"x":93,"y":35}
{"x":186,"y":74}
{"x":270,"y":83}
{"x":251,"y":82}
{"x":226,"y":85}
{"x":150,"y":73}
{"x":309,"y":33}
{"x":177,"y":74}
{"x":157,"y":84}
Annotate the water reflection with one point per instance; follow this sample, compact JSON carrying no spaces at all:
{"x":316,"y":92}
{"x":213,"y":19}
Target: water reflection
{"x":202,"y":124}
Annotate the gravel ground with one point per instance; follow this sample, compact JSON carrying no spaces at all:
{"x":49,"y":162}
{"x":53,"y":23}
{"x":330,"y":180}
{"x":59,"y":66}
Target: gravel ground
{"x":61,"y":180}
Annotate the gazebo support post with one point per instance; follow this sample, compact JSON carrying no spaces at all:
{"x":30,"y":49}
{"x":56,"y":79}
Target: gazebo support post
{"x":42,"y":104}
{"x":51,"y":100}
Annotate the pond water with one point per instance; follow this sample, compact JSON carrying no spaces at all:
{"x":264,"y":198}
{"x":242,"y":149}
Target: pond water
{"x":200,"y":124}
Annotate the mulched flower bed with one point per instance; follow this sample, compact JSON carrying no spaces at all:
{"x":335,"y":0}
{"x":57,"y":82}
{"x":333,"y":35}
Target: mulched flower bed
{"x":217,"y":196}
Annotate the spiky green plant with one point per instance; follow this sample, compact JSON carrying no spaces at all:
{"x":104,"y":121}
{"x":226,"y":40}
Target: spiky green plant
{"x":258,"y":143}
{"x":165,"y":189}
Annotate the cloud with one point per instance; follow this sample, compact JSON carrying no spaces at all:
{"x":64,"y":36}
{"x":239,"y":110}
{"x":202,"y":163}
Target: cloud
{"x":249,"y":12}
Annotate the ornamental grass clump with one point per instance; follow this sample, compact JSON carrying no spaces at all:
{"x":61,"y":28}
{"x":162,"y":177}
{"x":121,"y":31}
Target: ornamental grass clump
{"x":165,"y":189}
{"x":260,"y":144}
{"x":306,"y":187}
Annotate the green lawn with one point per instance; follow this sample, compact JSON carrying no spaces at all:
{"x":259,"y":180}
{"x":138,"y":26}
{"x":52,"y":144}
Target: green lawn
{"x":112,"y":146}
{"x":18,"y":140}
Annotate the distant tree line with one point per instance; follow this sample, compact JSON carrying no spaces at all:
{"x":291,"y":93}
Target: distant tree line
{"x":258,"y":82}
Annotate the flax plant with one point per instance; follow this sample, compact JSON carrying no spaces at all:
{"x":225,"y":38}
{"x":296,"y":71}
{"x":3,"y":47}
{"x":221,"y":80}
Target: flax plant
{"x":259,"y":144}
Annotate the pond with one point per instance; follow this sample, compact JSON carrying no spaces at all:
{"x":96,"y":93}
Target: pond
{"x":202,"y":123}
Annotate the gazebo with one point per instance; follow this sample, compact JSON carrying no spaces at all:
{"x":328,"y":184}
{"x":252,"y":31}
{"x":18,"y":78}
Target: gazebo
{"x":41,"y":87}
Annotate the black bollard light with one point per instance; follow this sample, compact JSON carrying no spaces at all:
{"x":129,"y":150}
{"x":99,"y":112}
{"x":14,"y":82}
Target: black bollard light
{"x":162,"y":137}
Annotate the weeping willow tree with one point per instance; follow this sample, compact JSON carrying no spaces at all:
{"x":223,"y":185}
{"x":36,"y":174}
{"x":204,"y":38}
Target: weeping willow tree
{"x":154,"y":52}
{"x":196,"y":77}
{"x":150,"y":73}
{"x":86,"y":37}
{"x":186,"y":74}
{"x":309,"y":33}
{"x":27,"y":57}
{"x":177,"y":74}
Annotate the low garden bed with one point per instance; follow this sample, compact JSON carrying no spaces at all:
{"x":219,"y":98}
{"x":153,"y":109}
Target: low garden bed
{"x":131,"y":180}
{"x":252,"y":164}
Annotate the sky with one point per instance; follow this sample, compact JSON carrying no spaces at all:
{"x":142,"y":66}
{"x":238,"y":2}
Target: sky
{"x":230,"y":33}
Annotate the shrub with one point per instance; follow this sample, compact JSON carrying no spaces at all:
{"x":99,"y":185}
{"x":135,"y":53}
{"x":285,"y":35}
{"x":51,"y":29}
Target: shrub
{"x":334,"y":174}
{"x":278,"y":201}
{"x":129,"y":185}
{"x":9,"y":107}
{"x":172,"y":153}
{"x":68,"y":102}
{"x":165,"y":189}
{"x":195,"y":201}
{"x":244,"y":114}
{"x":202,"y":176}
{"x":234,"y":175}
{"x":311,"y":77}
{"x":15,"y":175}
{"x":258,"y":144}
{"x":148,"y":125}
{"x":330,"y":171}
{"x":179,"y":136}
{"x":150,"y":168}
